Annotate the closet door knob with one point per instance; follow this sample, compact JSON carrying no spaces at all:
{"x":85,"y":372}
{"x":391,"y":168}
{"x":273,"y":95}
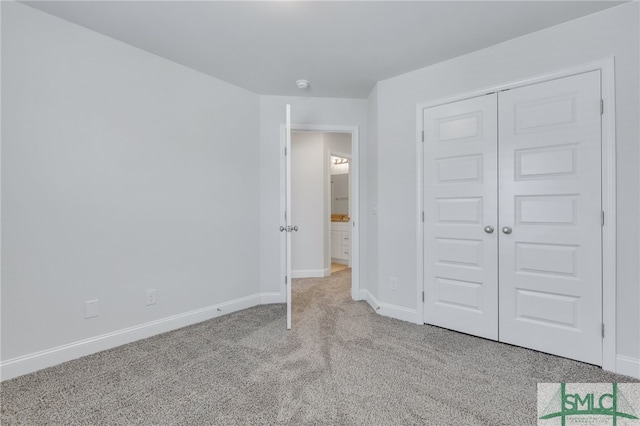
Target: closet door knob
{"x":488,"y":229}
{"x":506,"y":230}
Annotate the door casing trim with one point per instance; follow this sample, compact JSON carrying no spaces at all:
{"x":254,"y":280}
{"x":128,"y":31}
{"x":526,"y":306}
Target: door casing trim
{"x":355,"y":203}
{"x":606,"y":67}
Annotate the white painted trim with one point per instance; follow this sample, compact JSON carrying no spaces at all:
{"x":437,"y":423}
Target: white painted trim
{"x":363,"y":295}
{"x":372,"y":301}
{"x":394,"y":311}
{"x":355,"y":180}
{"x":628,"y":366}
{"x":354,"y":169}
{"x":326,"y":237}
{"x":49,"y":357}
{"x":554,"y":75}
{"x":271,"y":298}
{"x":609,"y":279}
{"x":609,"y":203}
{"x":1,"y":199}
{"x":420,"y":209}
{"x":310,"y":273}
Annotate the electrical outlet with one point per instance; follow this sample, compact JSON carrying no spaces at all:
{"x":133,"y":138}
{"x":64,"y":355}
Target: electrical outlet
{"x":91,"y":308}
{"x":393,"y":283}
{"x":151,"y":297}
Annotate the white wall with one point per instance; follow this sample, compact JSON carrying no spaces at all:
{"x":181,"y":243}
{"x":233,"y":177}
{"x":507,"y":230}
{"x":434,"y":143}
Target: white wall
{"x":339,"y":168}
{"x":339,"y":143}
{"x":370,"y":210}
{"x":308,"y":205}
{"x":336,"y":142}
{"x":611,"y":32}
{"x":115,"y":163}
{"x":340,"y":192}
{"x":118,"y":172}
{"x":307,"y":111}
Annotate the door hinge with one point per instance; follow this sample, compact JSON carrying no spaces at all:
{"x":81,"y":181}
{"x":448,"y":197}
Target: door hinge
{"x":423,"y":296}
{"x":285,"y":151}
{"x":602,"y":218}
{"x":285,"y":215}
{"x":602,"y":330}
{"x":423,"y":136}
{"x":601,"y":106}
{"x":423,"y":216}
{"x":286,"y":279}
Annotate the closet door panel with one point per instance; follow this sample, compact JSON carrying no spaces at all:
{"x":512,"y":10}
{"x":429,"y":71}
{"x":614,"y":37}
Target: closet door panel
{"x":550,"y":296}
{"x":460,"y":181}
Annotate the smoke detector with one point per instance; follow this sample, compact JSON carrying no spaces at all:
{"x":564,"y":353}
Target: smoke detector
{"x":302,"y":84}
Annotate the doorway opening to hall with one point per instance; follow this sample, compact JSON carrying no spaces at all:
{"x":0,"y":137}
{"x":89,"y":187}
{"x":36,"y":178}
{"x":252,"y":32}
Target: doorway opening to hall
{"x":321,"y":204}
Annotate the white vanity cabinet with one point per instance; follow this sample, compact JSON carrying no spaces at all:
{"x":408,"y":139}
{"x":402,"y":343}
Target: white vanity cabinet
{"x":341,"y":242}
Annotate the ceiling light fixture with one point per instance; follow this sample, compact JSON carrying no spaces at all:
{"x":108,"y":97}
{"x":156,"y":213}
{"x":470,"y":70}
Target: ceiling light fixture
{"x":302,"y":84}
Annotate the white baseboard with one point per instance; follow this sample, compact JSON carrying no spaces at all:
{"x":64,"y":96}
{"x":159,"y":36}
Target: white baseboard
{"x":310,"y":273}
{"x":625,"y":365}
{"x":49,"y":357}
{"x":25,"y":364}
{"x":270,"y":298}
{"x":628,"y":366}
{"x":392,"y":311}
{"x":368,"y":297}
{"x":359,"y":294}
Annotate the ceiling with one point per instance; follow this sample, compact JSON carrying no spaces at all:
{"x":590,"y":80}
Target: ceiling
{"x":342,"y":48}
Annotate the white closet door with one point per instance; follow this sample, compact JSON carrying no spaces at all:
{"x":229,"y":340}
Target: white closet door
{"x":550,"y":202}
{"x":460,"y":181}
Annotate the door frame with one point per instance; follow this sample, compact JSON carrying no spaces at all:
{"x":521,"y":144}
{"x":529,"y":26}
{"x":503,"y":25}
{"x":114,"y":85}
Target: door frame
{"x":606,"y":67}
{"x":355,"y":202}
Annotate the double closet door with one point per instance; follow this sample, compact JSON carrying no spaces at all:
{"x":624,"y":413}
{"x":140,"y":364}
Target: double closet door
{"x":512,"y":201}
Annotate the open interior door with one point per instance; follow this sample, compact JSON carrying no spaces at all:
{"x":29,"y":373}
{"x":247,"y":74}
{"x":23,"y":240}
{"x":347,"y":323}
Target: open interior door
{"x":287,"y":213}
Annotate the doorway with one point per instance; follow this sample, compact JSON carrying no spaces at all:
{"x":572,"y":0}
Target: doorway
{"x":320,"y":203}
{"x":350,"y":133}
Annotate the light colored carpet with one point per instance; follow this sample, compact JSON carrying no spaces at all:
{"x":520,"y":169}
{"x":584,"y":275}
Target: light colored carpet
{"x":341,"y":364}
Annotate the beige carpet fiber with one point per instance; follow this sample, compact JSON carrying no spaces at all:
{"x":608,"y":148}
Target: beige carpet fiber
{"x":342,"y":364}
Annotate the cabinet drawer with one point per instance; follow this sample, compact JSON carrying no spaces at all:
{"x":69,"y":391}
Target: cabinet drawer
{"x":336,"y":244}
{"x":340,"y":226}
{"x":346,"y":238}
{"x":346,"y":252}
